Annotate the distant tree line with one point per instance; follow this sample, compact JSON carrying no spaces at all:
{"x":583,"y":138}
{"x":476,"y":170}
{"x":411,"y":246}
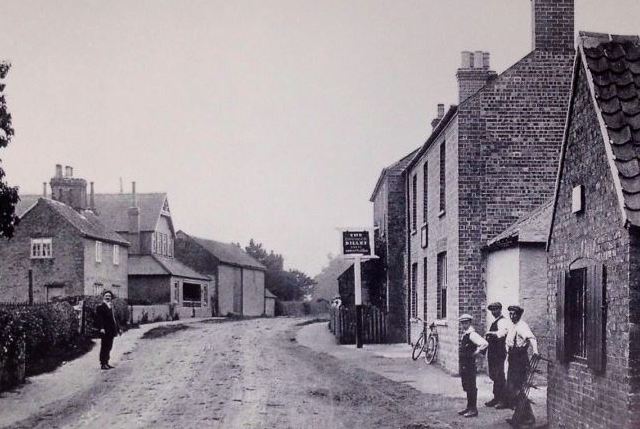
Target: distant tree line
{"x":287,"y":285}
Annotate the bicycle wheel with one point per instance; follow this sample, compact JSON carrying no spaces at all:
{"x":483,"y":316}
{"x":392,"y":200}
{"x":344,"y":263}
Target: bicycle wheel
{"x":431,"y":349}
{"x":418,"y":347}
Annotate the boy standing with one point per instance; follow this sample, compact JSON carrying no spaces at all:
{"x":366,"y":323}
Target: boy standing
{"x":471,"y":344}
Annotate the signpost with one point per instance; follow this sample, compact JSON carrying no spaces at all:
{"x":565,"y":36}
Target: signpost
{"x":357,"y":244}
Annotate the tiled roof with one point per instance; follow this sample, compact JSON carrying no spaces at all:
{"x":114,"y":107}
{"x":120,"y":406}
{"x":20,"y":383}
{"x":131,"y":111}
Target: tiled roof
{"x":532,"y":228}
{"x":398,"y":167}
{"x":153,"y":265}
{"x":86,"y":222}
{"x":612,"y":66}
{"x":113,"y":209}
{"x":227,"y":253}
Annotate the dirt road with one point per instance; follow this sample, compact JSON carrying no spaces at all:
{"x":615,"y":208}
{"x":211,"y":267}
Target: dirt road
{"x":242,"y":374}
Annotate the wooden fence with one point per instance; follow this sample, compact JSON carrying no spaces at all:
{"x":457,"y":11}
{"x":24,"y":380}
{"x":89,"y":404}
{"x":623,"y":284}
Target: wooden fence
{"x":342,"y":324}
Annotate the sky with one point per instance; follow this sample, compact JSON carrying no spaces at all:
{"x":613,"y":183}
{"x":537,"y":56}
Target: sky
{"x":264,"y":119}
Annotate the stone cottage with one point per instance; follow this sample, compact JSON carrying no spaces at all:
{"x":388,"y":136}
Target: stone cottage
{"x":67,"y":251}
{"x":238,"y":278}
{"x":488,"y":162}
{"x":594,"y":243}
{"x":144,"y":221}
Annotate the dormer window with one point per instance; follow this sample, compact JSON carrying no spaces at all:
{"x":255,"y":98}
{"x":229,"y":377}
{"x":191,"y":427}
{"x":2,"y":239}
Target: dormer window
{"x":41,"y":248}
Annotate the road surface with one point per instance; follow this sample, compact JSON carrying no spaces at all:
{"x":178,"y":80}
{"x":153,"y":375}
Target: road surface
{"x":238,"y":374}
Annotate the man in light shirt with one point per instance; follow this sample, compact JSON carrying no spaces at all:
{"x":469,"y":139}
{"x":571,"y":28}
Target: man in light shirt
{"x":471,"y":344}
{"x":518,"y":340}
{"x":497,"y":354}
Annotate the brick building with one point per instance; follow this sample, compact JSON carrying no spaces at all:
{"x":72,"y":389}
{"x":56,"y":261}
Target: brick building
{"x":594,"y":243}
{"x":487,"y":163}
{"x":143,"y":221}
{"x":68,"y":251}
{"x":389,"y":208}
{"x":238,"y":278}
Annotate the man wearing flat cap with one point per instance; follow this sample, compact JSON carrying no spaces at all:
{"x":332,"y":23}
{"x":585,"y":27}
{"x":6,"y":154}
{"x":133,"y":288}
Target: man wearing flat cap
{"x":518,"y":340}
{"x":497,"y":354}
{"x":471,"y":345}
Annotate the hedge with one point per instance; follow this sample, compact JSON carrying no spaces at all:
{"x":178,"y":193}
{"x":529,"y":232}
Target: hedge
{"x":28,"y":333}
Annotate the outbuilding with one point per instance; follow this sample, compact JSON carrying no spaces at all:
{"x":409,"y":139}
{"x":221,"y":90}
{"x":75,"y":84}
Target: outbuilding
{"x":594,"y":243}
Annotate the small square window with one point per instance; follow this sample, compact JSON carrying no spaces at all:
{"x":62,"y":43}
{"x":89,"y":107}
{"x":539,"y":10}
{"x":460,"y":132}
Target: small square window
{"x":41,"y":248}
{"x":577,"y":199}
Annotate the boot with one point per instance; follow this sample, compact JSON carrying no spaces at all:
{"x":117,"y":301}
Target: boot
{"x":472,"y":399}
{"x":463,"y":412}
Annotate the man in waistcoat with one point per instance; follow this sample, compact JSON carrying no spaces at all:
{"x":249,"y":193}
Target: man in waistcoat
{"x":471,"y":344}
{"x":108,"y":326}
{"x":518,"y":340}
{"x":496,"y":354}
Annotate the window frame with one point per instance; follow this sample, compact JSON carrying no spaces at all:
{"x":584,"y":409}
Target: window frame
{"x":38,"y":248}
{"x":413,"y":296}
{"x":442,"y":282}
{"x":98,"y":252}
{"x":414,"y":203}
{"x":443,"y":178}
{"x":116,"y":254}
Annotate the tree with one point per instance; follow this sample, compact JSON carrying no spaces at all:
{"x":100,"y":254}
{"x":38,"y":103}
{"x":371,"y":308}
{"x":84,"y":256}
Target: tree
{"x":8,"y":195}
{"x":287,"y":285}
{"x":327,"y":280}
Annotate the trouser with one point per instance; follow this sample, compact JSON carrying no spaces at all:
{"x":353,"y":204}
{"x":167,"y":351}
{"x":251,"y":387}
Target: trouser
{"x":468,"y":378}
{"x":496,"y":374}
{"x":516,"y":380}
{"x":105,"y":348}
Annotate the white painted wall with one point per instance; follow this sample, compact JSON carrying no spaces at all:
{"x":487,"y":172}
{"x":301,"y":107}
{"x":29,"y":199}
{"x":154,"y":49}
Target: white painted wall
{"x":503,"y":278}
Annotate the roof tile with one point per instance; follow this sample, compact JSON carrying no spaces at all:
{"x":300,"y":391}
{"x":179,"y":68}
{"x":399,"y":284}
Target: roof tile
{"x":629,"y":169}
{"x":622,"y":136}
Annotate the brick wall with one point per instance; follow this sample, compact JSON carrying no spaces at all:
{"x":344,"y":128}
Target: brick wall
{"x":66,"y":267}
{"x":509,"y":139}
{"x":577,"y":397}
{"x":443,"y":237}
{"x":393,"y":215}
{"x":553,"y":24}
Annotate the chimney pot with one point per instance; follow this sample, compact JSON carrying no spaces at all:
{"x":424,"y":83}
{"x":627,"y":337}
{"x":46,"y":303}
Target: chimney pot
{"x":466,"y":60}
{"x":486,"y":63}
{"x":134,"y":199}
{"x":58,"y":170}
{"x":440,"y":111}
{"x":92,"y":202}
{"x":478,"y":59}
{"x":44,"y":189}
{"x":67,"y":171}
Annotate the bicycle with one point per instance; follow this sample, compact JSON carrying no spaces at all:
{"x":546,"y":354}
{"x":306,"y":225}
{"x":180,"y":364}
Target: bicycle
{"x":427,"y":343}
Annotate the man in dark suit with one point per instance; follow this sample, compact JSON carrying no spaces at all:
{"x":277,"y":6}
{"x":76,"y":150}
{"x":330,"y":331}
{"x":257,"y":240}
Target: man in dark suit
{"x":108,"y":326}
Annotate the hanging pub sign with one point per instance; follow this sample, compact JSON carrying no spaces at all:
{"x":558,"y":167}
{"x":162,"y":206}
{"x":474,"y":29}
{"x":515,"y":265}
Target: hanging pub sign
{"x":356,"y":242}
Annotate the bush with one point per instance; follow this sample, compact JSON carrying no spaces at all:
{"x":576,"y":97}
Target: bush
{"x":30,"y":333}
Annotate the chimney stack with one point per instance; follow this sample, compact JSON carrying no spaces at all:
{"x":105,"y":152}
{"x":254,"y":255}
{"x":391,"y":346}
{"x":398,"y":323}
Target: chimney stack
{"x":68,"y":189}
{"x":552,"y":25}
{"x":474,"y":73}
{"x":92,"y":201}
{"x":134,"y":222}
{"x":438,"y":118}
